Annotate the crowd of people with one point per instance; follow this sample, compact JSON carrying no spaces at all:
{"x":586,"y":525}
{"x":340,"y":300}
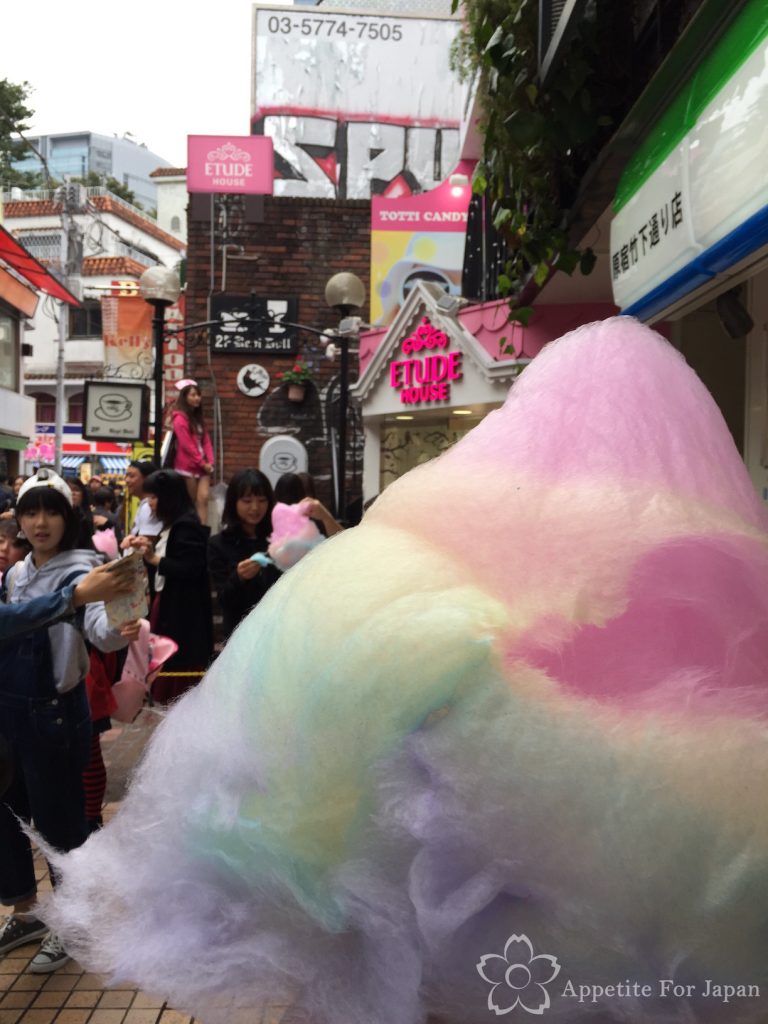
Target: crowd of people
{"x":62,"y":543}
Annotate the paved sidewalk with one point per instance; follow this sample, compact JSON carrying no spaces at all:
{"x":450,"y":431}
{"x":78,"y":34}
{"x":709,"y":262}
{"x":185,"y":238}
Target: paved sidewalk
{"x":70,"y":996}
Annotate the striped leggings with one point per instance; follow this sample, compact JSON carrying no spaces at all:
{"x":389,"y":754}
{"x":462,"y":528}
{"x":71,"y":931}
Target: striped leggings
{"x":95,"y":781}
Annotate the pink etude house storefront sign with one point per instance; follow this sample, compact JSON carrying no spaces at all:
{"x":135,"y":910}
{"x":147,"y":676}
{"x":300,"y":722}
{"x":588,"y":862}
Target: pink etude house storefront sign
{"x":428,"y":379}
{"x":230,"y":163}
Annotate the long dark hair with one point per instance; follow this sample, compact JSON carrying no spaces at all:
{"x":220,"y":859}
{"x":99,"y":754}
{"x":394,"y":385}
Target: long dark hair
{"x":83,"y":512}
{"x":144,"y":466}
{"x":290,"y":489}
{"x":170,"y":489}
{"x":52,"y":501}
{"x":248,"y":481}
{"x":195,"y":416}
{"x":83,"y":491}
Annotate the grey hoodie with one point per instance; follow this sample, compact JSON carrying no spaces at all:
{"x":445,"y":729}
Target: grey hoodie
{"x":70,"y":657}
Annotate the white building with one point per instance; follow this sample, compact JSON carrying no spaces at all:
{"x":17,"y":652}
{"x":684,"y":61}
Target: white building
{"x":111,"y":243}
{"x":172,"y":199}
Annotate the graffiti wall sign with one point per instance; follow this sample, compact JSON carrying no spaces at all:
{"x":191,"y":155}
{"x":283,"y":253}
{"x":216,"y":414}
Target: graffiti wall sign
{"x":356,"y":104}
{"x":327,"y":157}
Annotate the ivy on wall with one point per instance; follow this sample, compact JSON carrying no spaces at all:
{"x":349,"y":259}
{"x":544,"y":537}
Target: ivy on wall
{"x":538,"y":141}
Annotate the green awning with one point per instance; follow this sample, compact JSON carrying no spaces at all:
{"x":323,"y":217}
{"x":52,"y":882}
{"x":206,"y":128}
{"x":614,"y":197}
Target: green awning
{"x":739,"y":41}
{"x":18,"y":444}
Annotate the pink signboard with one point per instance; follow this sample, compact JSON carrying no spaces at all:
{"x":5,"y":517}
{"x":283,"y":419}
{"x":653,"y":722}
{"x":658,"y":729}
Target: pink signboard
{"x":419,"y":236}
{"x":428,"y":379}
{"x":230,"y":163}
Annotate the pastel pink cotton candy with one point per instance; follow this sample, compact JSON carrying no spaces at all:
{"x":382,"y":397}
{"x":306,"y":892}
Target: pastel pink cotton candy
{"x":293,"y":534}
{"x":617,"y":403}
{"x":629,"y":540}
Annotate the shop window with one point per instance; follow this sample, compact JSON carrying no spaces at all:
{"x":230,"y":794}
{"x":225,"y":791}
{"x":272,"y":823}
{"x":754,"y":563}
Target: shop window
{"x":75,"y":409}
{"x":9,"y":356}
{"x":45,"y":407}
{"x":85,"y":320}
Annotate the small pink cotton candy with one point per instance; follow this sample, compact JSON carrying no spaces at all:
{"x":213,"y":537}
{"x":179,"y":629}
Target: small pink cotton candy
{"x":146,"y":655}
{"x":293,"y":534}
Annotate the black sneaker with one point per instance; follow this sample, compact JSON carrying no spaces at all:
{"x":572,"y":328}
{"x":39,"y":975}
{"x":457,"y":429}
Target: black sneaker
{"x":17,"y":931}
{"x":50,"y":957}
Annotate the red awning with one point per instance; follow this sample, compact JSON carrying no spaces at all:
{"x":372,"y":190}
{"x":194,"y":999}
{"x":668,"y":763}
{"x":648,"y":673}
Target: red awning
{"x":16,"y":256}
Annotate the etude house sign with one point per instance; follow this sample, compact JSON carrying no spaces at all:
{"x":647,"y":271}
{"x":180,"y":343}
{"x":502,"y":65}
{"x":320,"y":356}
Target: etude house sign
{"x":426,"y":379}
{"x":265,"y":333}
{"x":241,"y":164}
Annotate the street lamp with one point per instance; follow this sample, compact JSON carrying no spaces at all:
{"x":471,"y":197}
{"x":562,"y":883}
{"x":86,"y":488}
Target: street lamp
{"x":345,"y":293}
{"x":160,"y":287}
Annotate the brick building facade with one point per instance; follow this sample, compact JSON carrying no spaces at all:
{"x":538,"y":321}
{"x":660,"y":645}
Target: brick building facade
{"x":276,"y":248}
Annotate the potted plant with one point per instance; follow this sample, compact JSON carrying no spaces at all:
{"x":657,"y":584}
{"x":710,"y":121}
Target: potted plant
{"x":297,"y":379}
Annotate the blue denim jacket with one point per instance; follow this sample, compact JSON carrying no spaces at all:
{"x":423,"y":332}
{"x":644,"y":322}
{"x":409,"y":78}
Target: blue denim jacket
{"x":17,"y":619}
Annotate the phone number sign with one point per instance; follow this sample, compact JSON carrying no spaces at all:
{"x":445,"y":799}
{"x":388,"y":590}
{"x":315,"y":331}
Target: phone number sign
{"x":350,"y":62}
{"x":339,"y":27}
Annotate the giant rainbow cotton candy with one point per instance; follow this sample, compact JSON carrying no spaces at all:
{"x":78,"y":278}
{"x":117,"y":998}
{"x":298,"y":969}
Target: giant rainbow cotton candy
{"x":500,"y":748}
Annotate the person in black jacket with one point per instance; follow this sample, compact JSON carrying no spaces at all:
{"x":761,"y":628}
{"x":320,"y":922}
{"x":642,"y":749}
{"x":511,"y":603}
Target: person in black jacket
{"x":81,"y":502}
{"x":182,"y":605}
{"x":239,"y":582}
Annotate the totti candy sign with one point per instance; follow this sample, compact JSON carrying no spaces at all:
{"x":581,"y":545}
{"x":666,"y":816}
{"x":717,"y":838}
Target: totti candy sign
{"x":427,"y":378}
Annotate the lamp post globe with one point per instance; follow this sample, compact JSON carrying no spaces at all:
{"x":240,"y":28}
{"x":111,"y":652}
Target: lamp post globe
{"x":345,"y":293}
{"x":160,"y":287}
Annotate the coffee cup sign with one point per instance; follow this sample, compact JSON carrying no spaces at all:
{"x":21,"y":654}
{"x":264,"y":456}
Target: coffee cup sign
{"x":115,"y":410}
{"x":426,"y":378}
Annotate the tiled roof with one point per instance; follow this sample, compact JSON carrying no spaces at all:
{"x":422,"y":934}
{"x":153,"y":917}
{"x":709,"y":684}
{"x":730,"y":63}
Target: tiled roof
{"x":169,"y":172}
{"x":46,"y":207}
{"x":107,"y":204}
{"x":31,"y":208}
{"x":96,"y":266}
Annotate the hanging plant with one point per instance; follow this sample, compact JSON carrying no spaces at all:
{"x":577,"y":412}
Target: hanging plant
{"x":299,"y":373}
{"x":537,"y":141}
{"x":297,"y":379}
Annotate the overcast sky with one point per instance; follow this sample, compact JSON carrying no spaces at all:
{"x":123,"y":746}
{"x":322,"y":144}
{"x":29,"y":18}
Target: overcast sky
{"x":159,"y":69}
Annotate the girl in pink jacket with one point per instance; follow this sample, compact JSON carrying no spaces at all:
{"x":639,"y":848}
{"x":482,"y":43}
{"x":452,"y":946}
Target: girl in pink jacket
{"x":194,"y":451}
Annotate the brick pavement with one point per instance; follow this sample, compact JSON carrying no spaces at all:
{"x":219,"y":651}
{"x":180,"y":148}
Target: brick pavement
{"x":70,"y":995}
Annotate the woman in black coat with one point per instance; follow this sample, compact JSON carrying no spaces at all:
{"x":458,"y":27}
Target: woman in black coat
{"x":182,"y":605}
{"x":239,"y":582}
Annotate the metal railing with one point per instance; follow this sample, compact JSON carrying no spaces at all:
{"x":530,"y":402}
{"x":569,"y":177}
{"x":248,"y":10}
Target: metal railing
{"x":48,"y":246}
{"x":17,"y":195}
